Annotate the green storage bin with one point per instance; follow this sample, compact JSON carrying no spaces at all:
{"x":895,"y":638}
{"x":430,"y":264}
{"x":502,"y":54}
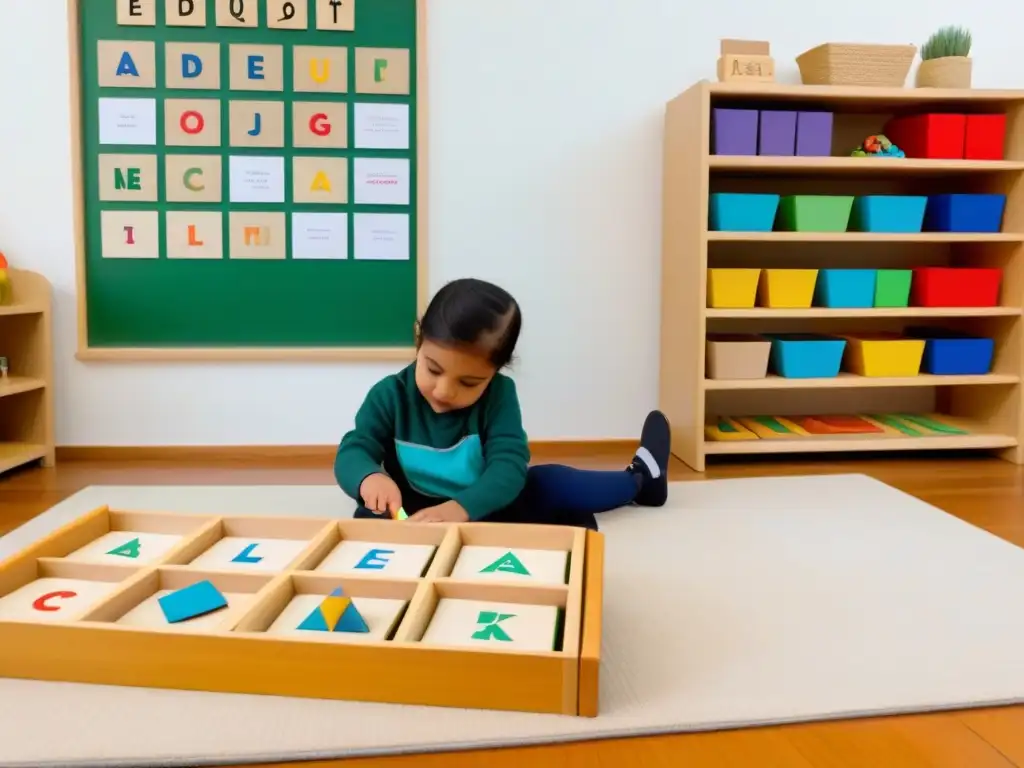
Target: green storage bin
{"x":892,"y":287}
{"x":815,"y":213}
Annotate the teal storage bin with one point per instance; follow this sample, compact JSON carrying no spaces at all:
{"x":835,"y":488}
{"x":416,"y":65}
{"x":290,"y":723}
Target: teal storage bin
{"x":806,"y":355}
{"x":888,"y":213}
{"x":845,"y":288}
{"x":736,"y":212}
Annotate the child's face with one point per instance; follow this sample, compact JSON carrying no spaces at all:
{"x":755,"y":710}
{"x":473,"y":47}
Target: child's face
{"x":449,"y":378}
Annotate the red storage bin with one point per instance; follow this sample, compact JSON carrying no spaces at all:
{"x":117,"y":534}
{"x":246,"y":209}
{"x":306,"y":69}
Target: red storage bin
{"x":934,"y":135}
{"x":985,"y":138}
{"x":955,"y":287}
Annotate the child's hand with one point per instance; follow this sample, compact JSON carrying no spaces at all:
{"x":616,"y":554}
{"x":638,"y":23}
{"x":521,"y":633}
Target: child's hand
{"x":449,"y":512}
{"x":380,"y":494}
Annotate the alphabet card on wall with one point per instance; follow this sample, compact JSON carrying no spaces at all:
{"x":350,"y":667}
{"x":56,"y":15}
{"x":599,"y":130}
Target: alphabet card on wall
{"x":210,"y":133}
{"x":373,"y":610}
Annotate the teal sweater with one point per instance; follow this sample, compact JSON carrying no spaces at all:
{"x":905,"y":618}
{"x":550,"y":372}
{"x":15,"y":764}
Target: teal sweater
{"x":477,"y":456}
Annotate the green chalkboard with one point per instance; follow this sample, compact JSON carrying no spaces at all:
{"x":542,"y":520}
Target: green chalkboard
{"x":248,"y":190}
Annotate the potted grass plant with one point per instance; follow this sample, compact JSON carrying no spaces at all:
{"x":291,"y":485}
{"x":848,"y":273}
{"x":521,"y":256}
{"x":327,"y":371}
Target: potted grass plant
{"x":945,"y":60}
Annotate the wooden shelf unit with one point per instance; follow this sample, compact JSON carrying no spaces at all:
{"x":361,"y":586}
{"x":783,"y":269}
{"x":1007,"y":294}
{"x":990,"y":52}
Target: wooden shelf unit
{"x":991,"y":407}
{"x":26,"y":396}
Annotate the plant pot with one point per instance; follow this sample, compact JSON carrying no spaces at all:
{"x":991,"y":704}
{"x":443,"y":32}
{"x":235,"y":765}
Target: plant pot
{"x":945,"y":72}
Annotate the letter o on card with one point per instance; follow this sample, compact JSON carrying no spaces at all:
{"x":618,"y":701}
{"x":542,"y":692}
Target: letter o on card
{"x":192,"y":122}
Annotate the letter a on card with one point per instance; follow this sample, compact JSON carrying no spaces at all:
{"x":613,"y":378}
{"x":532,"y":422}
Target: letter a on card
{"x":507,"y":563}
{"x":130,"y":549}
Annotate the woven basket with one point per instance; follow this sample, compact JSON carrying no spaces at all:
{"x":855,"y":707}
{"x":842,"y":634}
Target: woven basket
{"x":885,"y":66}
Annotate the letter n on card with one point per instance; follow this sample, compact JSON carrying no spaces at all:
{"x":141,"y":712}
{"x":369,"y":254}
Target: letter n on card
{"x":130,"y":234}
{"x":128,"y":177}
{"x":257,"y":235}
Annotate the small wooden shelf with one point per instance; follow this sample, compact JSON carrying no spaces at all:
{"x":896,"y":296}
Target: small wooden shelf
{"x":849,"y":380}
{"x":15,"y":385}
{"x":991,"y":406}
{"x":16,"y":454}
{"x":825,"y":312}
{"x":857,"y":165}
{"x":845,"y":444}
{"x":925,"y":238}
{"x":26,"y":396}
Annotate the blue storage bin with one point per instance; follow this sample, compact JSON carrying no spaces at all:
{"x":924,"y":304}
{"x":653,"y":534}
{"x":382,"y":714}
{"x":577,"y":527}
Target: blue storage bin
{"x":888,"y":213}
{"x":954,"y":353}
{"x":964,"y":213}
{"x":736,"y":212}
{"x":806,"y":355}
{"x":845,"y":288}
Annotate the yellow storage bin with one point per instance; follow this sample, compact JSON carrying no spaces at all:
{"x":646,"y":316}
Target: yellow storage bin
{"x":732,"y":288}
{"x":883,"y":354}
{"x":787,"y":288}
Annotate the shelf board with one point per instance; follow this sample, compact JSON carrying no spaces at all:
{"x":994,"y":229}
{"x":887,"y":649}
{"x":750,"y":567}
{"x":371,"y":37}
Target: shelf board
{"x":761,"y":313}
{"x":858,"y":165}
{"x":15,"y":385}
{"x":851,"y":381}
{"x":21,"y":309}
{"x":865,"y":237}
{"x":979,"y":438}
{"x":872,"y":97}
{"x":15,"y":454}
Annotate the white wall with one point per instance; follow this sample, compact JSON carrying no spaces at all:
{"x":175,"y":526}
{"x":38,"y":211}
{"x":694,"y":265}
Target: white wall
{"x":545,"y":177}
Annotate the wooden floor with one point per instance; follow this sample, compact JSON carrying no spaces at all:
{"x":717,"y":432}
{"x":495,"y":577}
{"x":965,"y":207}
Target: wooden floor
{"x":985,"y":492}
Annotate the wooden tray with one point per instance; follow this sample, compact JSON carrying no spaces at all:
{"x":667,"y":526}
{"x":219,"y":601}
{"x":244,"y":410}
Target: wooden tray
{"x":81,"y":605}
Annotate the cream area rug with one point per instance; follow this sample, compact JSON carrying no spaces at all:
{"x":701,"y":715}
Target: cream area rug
{"x":741,"y":602}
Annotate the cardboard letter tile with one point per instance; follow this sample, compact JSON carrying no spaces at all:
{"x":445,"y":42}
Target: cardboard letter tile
{"x":238,"y":13}
{"x":256,"y":67}
{"x":192,"y":65}
{"x":287,"y":14}
{"x":192,"y":122}
{"x":126,"y":63}
{"x":193,"y":178}
{"x":320,"y":69}
{"x":194,"y":235}
{"x":492,"y":625}
{"x":258,"y":235}
{"x":336,"y":15}
{"x":130,"y":234}
{"x":382,"y":70}
{"x":136,"y":13}
{"x":320,"y":180}
{"x":128,"y":177}
{"x":185,"y":13}
{"x":320,"y":124}
{"x":256,"y":123}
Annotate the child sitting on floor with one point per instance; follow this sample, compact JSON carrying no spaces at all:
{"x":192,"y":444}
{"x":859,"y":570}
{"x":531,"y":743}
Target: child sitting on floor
{"x":443,"y":438}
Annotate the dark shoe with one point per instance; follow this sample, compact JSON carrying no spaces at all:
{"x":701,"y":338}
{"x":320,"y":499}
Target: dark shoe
{"x":651,"y":460}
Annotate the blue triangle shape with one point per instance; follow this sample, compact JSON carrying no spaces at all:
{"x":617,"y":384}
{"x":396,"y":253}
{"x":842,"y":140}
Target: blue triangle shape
{"x":315,"y":621}
{"x":351,"y":621}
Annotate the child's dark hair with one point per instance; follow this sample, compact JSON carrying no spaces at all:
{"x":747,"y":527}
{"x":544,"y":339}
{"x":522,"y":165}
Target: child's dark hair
{"x":474,"y":313}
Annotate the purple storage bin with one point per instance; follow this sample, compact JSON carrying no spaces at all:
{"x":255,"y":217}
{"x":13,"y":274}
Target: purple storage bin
{"x":814,"y":134}
{"x":777,"y":133}
{"x":735,"y":131}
